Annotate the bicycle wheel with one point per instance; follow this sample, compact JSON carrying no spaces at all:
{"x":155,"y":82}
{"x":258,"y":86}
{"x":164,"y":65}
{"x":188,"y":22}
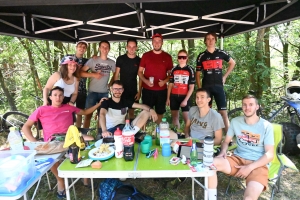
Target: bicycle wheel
{"x":235,"y":113}
{"x":17,"y":119}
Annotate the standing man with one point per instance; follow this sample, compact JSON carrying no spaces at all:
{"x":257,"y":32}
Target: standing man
{"x":127,"y":67}
{"x":202,"y":120}
{"x":255,"y":149}
{"x":81,"y":48}
{"x":209,"y":63}
{"x":101,"y":67}
{"x":157,"y":64}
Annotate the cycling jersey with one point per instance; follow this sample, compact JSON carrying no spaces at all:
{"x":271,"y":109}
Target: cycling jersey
{"x":211,"y":64}
{"x":181,"y":79}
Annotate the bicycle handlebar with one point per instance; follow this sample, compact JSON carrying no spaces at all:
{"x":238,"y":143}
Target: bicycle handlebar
{"x":36,"y":97}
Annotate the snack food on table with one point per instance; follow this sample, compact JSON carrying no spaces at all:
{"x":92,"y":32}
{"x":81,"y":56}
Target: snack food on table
{"x":102,"y":151}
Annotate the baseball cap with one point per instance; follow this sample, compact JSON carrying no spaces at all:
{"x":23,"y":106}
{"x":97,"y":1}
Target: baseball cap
{"x":82,"y":41}
{"x":67,"y":60}
{"x":157,"y":35}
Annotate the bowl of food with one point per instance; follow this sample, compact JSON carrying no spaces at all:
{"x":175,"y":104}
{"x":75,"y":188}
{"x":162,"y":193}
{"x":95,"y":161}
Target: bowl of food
{"x":104,"y":152}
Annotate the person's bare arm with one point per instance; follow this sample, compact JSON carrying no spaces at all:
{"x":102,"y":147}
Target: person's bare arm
{"x":49,"y":85}
{"x":102,"y":122}
{"x":198,"y":79}
{"x":142,"y":77}
{"x":245,"y":170}
{"x":116,"y":74}
{"x":74,"y":94}
{"x":91,"y":109}
{"x":188,"y":95}
{"x":26,"y":129}
{"x":139,"y":93}
{"x":151,"y":111}
{"x":229,"y":70}
{"x":218,"y":137}
{"x":187,"y":128}
{"x":84,"y":73}
{"x":224,"y":146}
{"x":170,"y":86}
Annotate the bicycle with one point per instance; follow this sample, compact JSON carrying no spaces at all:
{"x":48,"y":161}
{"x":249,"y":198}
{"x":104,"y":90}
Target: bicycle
{"x":291,"y":128}
{"x":18,"y":119}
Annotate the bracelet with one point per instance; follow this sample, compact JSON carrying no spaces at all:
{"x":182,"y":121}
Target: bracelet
{"x":71,"y":102}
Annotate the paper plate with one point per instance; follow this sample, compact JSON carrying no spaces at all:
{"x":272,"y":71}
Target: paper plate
{"x":106,"y":157}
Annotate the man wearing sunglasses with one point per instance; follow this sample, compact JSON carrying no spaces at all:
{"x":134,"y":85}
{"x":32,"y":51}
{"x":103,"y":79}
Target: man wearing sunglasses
{"x":155,"y":64}
{"x":113,"y":112}
{"x":209,"y":63}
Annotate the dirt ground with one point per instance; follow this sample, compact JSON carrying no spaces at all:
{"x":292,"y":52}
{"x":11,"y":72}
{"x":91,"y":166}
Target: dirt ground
{"x":172,"y":189}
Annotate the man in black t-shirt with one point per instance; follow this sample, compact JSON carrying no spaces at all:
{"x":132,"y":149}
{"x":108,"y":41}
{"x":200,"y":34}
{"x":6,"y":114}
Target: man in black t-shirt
{"x":113,"y":111}
{"x":127,"y":66}
{"x":209,"y":63}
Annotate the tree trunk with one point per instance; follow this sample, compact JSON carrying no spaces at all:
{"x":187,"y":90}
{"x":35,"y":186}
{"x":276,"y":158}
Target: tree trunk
{"x":182,"y":44}
{"x":88,"y":51}
{"x":95,"y":49}
{"x":267,"y":56}
{"x":58,"y":51}
{"x":191,"y":51}
{"x":9,"y":97}
{"x":48,"y":55}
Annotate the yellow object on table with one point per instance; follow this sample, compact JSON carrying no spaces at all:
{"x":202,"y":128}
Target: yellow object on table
{"x":72,"y":137}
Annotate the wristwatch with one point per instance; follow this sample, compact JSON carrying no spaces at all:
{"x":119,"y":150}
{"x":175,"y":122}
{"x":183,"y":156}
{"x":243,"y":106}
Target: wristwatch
{"x":71,"y":102}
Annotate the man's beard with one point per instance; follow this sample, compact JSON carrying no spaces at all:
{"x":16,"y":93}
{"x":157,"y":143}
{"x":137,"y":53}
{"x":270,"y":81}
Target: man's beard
{"x":159,"y":49}
{"x":250,"y":115}
{"x":116,"y":96}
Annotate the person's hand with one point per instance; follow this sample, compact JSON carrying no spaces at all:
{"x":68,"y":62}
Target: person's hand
{"x":71,"y":104}
{"x":153,"y":115}
{"x":147,"y":82}
{"x":106,"y":134}
{"x":137,"y":96}
{"x":224,"y":79}
{"x":161,"y":83}
{"x":103,"y":99}
{"x":97,"y":75}
{"x":222,"y":154}
{"x":94,"y":57}
{"x":244,"y":171}
{"x":183,"y":103}
{"x":168,"y":102}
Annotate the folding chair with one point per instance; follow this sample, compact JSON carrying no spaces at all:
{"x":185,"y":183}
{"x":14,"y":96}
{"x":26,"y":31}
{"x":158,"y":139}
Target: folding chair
{"x":277,"y":165}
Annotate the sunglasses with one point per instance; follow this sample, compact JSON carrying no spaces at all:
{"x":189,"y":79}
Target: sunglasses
{"x":182,"y":57}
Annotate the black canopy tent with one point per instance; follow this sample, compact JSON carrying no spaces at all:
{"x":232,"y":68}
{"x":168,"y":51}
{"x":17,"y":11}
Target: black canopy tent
{"x":115,"y":20}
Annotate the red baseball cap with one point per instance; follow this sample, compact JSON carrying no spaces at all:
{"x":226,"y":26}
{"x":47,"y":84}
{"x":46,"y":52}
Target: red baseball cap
{"x":157,"y":35}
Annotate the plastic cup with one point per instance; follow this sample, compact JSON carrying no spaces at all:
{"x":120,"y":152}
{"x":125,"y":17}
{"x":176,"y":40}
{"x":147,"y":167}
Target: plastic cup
{"x":145,"y":146}
{"x":151,"y":79}
{"x":166,"y":150}
{"x":148,"y":138}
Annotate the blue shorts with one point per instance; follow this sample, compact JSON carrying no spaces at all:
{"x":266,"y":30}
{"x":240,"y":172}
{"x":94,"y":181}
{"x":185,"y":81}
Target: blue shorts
{"x":93,"y":98}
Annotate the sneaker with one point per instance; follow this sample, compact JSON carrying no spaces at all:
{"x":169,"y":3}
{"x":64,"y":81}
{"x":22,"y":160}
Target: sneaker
{"x":122,"y":179}
{"x":61,"y":194}
{"x":298,"y":140}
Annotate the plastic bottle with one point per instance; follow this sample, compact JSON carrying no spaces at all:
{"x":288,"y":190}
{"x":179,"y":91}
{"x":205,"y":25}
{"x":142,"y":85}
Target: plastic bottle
{"x":128,"y":142}
{"x":83,"y":145}
{"x":164,"y":132}
{"x":118,"y":143}
{"x":208,"y":151}
{"x":15,"y":139}
{"x":194,"y":154}
{"x":157,"y":137}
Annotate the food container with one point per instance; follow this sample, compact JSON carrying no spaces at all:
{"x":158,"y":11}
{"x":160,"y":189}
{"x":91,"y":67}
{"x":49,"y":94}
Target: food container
{"x":16,"y":168}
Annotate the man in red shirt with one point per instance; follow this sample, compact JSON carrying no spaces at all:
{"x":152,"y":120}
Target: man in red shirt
{"x":157,"y":64}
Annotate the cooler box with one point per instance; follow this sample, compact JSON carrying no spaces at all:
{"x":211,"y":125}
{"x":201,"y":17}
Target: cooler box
{"x":16,"y":168}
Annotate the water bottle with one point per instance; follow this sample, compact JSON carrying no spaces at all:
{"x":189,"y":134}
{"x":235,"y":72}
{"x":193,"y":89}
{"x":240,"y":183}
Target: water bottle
{"x":208,"y":151}
{"x":74,"y":154}
{"x":157,"y":137}
{"x":164,"y":132}
{"x":82,"y":142}
{"x":118,"y":143}
{"x":15,"y":139}
{"x":128,"y":142}
{"x":194,"y":154}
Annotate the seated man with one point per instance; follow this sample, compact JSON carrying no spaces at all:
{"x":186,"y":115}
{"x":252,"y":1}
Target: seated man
{"x":113,"y":111}
{"x":255,"y":149}
{"x":55,"y":119}
{"x":202,"y":120}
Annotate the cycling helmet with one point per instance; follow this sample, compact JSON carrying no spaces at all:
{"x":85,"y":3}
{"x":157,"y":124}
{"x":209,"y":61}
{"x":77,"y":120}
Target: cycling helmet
{"x":293,"y":90}
{"x":67,"y":60}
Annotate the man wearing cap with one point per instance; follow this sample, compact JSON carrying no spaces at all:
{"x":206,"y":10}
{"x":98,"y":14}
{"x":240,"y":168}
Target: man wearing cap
{"x":66,"y":78}
{"x":209,"y":63}
{"x":157,"y":64}
{"x":127,"y":67}
{"x":101,"y":67}
{"x":81,"y":48}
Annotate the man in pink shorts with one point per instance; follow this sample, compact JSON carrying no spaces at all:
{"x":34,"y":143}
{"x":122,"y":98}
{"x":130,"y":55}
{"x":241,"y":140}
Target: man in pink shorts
{"x":255,"y":149}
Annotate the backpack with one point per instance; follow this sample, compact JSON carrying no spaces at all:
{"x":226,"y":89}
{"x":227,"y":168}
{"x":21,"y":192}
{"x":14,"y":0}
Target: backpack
{"x":128,"y":192}
{"x":107,"y":187}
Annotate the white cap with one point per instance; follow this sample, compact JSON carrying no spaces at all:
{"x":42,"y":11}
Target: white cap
{"x":82,"y":41}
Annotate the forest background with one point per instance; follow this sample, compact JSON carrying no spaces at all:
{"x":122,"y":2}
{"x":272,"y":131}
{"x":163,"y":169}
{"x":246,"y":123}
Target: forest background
{"x":266,"y":60}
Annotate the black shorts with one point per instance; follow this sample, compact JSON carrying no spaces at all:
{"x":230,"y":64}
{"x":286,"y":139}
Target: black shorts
{"x":155,"y":98}
{"x":217,"y":92}
{"x":80,"y":101}
{"x":175,"y":101}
